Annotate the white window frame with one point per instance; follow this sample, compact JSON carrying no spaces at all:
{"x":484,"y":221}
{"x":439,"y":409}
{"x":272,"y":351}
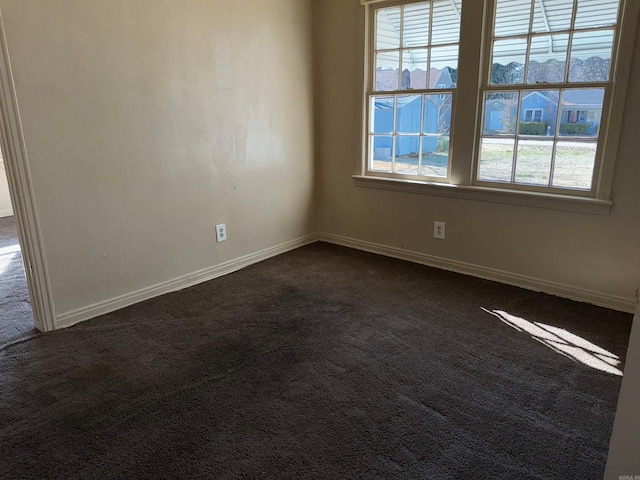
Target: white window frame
{"x":465,"y":129}
{"x":440,"y":91}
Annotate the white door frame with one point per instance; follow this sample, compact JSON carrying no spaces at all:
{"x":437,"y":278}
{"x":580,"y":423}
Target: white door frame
{"x":22,"y":197}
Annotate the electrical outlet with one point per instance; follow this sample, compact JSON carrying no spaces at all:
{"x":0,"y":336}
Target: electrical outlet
{"x":438,"y":230}
{"x":221,"y":233}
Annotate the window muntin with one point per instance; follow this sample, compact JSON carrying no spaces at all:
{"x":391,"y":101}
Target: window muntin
{"x":538,"y":135}
{"x":415,"y":47}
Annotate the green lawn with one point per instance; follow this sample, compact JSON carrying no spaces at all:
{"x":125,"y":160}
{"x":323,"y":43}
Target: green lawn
{"x":434,"y":164}
{"x":573,"y":164}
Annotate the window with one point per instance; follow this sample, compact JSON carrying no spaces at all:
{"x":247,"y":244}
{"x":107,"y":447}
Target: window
{"x":533,"y":114}
{"x":410,"y":106}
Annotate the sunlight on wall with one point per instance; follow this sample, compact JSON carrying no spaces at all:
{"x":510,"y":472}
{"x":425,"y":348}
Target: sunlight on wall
{"x":6,"y":255}
{"x":564,"y":342}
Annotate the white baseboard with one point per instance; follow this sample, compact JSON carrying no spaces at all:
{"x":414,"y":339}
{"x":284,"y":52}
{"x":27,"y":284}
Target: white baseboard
{"x":614,"y":302}
{"x":530,"y":283}
{"x":85,"y":313}
{"x":6,"y":213}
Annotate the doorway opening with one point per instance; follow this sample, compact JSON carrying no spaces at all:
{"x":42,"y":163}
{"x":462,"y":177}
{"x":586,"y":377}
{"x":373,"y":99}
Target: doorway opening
{"x":28,"y":304}
{"x":16,"y":317}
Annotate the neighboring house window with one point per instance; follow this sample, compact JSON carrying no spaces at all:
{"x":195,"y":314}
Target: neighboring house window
{"x":533,"y":115}
{"x":573,"y":116}
{"x":415,"y":52}
{"x":545,"y":92}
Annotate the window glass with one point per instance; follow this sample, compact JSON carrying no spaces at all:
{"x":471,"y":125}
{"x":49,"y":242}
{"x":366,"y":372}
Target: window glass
{"x":387,"y":34}
{"x":509,"y":57}
{"x":591,"y":56}
{"x":596,"y":13}
{"x":416,"y":49}
{"x":496,"y":159}
{"x":547,"y":58}
{"x":416,"y":25}
{"x":512,"y":17}
{"x":540,"y":94}
{"x":546,"y":49}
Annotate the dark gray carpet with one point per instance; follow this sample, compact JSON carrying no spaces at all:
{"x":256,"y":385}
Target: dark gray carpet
{"x":323,"y":362}
{"x":16,"y":320}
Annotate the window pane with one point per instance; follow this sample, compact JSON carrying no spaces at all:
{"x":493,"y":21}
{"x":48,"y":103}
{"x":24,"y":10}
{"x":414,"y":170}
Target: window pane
{"x":381,"y":120}
{"x":539,"y":112}
{"x":387,"y":69}
{"x":444,"y":61}
{"x":407,"y":154}
{"x":380,"y":157}
{"x":581,"y":112}
{"x":591,"y":56}
{"x":435,"y":156}
{"x":533,"y":162}
{"x":416,"y":25}
{"x":512,"y":17}
{"x":496,"y":159}
{"x":414,"y":69}
{"x":548,"y":59}
{"x":552,"y":15}
{"x":596,"y":13}
{"x":508,"y":61}
{"x":388,"y":28}
{"x":446,"y":21}
{"x":408,"y":113}
{"x":500,"y":113}
{"x":574,"y":165}
{"x":437,"y":113}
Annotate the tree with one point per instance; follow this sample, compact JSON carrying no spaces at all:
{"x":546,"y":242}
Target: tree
{"x":551,"y":71}
{"x":593,"y":69}
{"x":509,"y":115}
{"x":512,"y":73}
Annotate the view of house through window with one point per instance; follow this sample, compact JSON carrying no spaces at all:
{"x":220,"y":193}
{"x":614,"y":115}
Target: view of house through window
{"x":535,"y":134}
{"x":416,"y":60}
{"x":541,"y":105}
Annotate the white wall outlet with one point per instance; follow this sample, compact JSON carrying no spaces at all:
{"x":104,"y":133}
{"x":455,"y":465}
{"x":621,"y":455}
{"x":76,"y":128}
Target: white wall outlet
{"x":438,"y":230}
{"x":221,"y":232}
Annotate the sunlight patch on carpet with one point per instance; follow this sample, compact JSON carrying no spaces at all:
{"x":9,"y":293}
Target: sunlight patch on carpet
{"x":564,"y":342}
{"x":7,"y":254}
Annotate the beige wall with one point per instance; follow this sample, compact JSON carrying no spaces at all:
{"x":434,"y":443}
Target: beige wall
{"x":5,"y":201}
{"x":147,"y":122}
{"x":623,"y":450}
{"x":588,"y":252}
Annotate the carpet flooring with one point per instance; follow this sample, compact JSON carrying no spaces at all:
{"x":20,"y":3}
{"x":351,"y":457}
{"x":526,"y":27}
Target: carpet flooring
{"x":16,"y":319}
{"x":324,"y":362}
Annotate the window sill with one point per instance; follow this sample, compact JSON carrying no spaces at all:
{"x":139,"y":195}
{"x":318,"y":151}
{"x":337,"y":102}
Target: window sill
{"x":484,"y":194}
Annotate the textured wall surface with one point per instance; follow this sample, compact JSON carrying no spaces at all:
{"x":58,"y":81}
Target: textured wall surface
{"x":148,"y":122}
{"x":623,"y":450}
